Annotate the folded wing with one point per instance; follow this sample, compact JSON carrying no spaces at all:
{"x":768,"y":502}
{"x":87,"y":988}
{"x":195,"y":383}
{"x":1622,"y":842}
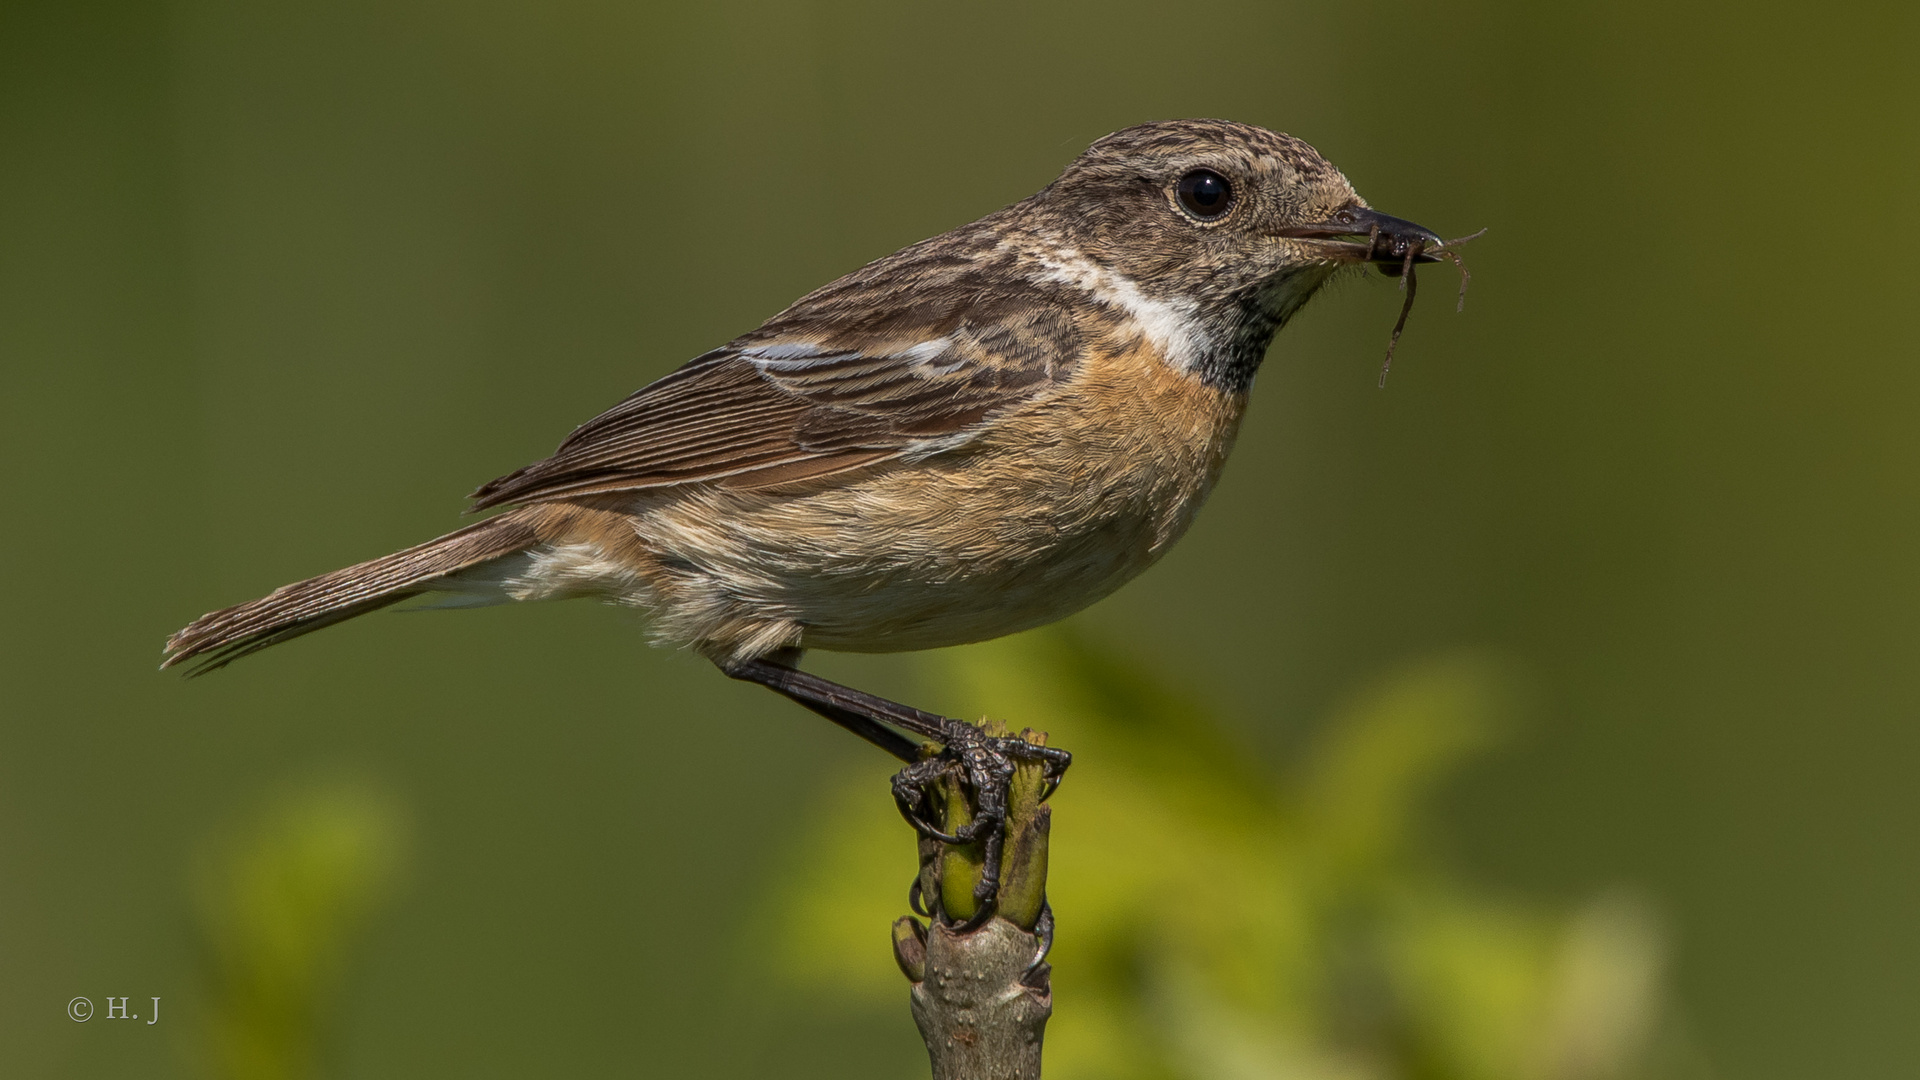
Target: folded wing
{"x":847,"y":377}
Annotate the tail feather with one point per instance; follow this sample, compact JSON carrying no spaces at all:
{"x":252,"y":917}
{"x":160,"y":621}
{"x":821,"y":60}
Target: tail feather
{"x":218,"y":639}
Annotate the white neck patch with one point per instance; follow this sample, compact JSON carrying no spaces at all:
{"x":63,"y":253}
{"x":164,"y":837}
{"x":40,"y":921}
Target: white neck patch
{"x":1174,"y":327}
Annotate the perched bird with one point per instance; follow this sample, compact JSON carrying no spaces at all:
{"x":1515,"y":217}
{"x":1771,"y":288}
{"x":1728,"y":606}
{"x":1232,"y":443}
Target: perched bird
{"x":978,"y":434}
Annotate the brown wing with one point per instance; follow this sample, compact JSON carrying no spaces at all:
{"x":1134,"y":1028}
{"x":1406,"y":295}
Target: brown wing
{"x":890,"y":360}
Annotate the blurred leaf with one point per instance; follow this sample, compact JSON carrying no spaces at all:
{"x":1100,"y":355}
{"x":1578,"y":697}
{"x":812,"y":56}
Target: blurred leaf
{"x":281,"y":901}
{"x":1217,"y":922}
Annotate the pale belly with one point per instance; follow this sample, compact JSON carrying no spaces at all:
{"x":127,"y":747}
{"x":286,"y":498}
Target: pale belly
{"x":999,"y":562}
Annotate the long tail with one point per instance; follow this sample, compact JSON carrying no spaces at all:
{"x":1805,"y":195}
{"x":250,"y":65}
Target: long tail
{"x":218,"y":639}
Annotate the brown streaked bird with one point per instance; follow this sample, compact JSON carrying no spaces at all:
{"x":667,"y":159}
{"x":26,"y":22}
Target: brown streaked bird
{"x":978,"y":434}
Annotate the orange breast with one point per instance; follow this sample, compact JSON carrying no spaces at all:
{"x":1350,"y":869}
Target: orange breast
{"x":1059,"y":505}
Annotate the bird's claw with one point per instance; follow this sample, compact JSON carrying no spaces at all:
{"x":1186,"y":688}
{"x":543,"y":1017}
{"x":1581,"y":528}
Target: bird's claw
{"x":984,"y":765}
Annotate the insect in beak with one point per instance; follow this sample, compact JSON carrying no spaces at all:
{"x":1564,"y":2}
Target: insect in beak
{"x":1393,"y":245}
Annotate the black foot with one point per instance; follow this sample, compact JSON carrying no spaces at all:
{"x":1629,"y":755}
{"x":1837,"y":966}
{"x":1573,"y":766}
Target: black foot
{"x":985,"y":764}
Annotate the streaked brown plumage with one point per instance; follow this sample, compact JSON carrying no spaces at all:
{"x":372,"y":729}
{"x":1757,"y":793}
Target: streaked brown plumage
{"x":981,"y":433}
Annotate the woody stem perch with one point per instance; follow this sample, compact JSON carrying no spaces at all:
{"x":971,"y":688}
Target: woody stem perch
{"x":981,"y":997}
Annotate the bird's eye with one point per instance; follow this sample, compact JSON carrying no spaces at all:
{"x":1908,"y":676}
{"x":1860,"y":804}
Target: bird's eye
{"x":1205,"y":194}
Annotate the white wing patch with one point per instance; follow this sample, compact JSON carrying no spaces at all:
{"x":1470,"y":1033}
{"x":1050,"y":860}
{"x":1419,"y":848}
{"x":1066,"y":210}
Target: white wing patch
{"x":926,"y":357}
{"x":796,"y":356}
{"x":793,"y":356}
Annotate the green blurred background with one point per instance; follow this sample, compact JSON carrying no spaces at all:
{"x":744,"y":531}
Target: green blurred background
{"x":280,"y":282}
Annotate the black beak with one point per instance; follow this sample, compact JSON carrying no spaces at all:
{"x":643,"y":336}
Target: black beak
{"x":1369,"y":236}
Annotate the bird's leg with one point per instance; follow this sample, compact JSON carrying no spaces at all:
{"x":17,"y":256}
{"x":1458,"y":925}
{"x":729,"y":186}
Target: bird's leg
{"x":861,"y":713}
{"x":985,"y":762}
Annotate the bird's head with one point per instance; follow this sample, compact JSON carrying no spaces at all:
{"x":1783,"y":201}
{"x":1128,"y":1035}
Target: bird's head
{"x":1234,"y":220}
